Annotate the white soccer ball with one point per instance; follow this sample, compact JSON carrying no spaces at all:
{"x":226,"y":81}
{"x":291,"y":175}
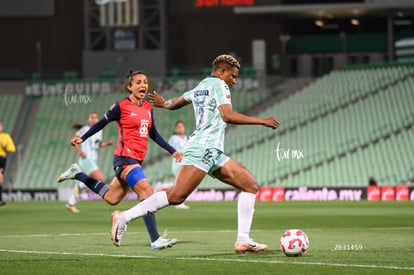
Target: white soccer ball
{"x":294,"y":242}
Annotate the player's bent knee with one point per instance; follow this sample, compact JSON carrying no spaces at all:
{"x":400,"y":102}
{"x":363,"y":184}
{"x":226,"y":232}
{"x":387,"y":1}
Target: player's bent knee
{"x":134,"y":176}
{"x":252,"y":187}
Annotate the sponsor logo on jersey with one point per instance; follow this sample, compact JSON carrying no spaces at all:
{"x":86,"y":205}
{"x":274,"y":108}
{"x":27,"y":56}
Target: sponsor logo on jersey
{"x":143,"y":129}
{"x":201,"y":93}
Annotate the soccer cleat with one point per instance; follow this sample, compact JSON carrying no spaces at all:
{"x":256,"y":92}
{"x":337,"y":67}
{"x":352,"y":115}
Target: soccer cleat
{"x":2,"y":203}
{"x":118,"y":227}
{"x":249,"y":246}
{"x":72,"y":208}
{"x":182,"y":206}
{"x":70,"y":173}
{"x":161,"y":243}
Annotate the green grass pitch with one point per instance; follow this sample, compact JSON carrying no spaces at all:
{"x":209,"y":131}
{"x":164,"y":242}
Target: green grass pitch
{"x":44,"y":238}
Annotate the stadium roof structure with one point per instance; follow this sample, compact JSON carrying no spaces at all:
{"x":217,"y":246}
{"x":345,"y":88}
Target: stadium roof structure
{"x":378,"y":7}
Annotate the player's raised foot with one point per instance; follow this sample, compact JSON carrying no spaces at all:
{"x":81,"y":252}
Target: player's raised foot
{"x":119,"y":227}
{"x":249,"y":246}
{"x":70,"y":173}
{"x":72,"y":208}
{"x":182,"y":206}
{"x":162,"y":243}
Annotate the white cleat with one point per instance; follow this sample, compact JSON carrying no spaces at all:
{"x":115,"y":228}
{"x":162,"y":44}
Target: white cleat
{"x":72,"y":208}
{"x":70,"y":173}
{"x":119,"y":227}
{"x":182,"y":206}
{"x":249,"y":246}
{"x":162,"y":243}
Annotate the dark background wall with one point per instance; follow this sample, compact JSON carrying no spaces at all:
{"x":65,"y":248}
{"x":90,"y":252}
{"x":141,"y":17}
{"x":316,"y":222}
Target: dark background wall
{"x":61,"y":37}
{"x":197,"y":39}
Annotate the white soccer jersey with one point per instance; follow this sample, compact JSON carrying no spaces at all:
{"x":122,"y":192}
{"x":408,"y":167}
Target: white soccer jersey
{"x":206,"y":97}
{"x":178,"y":143}
{"x":90,"y":146}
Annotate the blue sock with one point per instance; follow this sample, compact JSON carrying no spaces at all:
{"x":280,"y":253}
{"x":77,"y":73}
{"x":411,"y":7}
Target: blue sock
{"x":151,"y":225}
{"x":96,"y":186}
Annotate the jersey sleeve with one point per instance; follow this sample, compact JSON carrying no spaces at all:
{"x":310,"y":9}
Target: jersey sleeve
{"x":155,"y":136}
{"x":188,"y":96}
{"x":114,"y":112}
{"x":10,"y":147}
{"x":223,"y":93}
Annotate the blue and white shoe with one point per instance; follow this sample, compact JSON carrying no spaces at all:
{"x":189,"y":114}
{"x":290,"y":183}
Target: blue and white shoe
{"x":70,"y":173}
{"x":162,"y":243}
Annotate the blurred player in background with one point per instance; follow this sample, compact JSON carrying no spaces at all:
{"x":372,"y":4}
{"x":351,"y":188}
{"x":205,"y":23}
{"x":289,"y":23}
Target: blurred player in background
{"x":135,"y":121}
{"x":6,"y":146}
{"x":88,"y":156}
{"x":178,"y":141}
{"x":204,"y":154}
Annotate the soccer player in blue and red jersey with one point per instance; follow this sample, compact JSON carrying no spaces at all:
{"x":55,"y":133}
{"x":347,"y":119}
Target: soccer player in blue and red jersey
{"x":135,"y":121}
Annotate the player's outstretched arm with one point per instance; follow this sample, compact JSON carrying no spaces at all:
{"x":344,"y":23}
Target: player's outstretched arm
{"x":230,"y":116}
{"x":106,"y":143}
{"x":172,"y":104}
{"x":93,"y":130}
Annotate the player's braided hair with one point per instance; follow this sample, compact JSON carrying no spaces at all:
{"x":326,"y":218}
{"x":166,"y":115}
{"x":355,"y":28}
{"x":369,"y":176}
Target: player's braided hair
{"x":225,"y":59}
{"x":129,"y":77}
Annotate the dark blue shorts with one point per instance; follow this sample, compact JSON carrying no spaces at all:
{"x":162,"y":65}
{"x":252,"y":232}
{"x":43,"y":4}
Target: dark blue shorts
{"x":2,"y":163}
{"x":120,"y":163}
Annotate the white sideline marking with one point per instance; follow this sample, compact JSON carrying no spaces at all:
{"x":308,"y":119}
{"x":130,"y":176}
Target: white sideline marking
{"x":207,"y":259}
{"x":201,"y":232}
{"x":100,"y":234}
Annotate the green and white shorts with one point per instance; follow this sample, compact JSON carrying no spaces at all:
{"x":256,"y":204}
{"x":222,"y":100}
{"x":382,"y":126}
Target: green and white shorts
{"x":204,"y":158}
{"x":88,"y":165}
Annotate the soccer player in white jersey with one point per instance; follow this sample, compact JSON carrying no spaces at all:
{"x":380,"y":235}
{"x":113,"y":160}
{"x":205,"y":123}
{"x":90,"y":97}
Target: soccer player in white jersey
{"x":203,"y":153}
{"x":88,"y":156}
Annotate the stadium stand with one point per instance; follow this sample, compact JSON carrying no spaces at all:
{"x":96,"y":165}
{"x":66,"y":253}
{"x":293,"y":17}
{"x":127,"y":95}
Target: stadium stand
{"x":48,"y":152}
{"x":349,"y":125}
{"x":10,"y":106}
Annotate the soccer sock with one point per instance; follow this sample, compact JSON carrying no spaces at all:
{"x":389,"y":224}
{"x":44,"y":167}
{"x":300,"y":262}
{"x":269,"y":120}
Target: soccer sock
{"x":156,"y":201}
{"x":1,"y":192}
{"x":151,"y":225}
{"x":245,"y":210}
{"x":72,"y":200}
{"x":96,"y":186}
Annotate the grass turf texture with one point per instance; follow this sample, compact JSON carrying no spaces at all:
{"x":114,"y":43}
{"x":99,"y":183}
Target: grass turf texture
{"x":44,"y":238}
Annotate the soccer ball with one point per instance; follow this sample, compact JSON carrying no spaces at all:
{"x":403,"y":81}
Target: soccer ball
{"x":294,"y":242}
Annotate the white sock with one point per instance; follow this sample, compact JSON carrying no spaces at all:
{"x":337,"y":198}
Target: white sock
{"x":72,"y":200}
{"x":156,"y":201}
{"x":245,"y":211}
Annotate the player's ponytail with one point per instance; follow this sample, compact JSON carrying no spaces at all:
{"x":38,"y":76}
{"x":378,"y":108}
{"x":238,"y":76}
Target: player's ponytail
{"x":77,"y":126}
